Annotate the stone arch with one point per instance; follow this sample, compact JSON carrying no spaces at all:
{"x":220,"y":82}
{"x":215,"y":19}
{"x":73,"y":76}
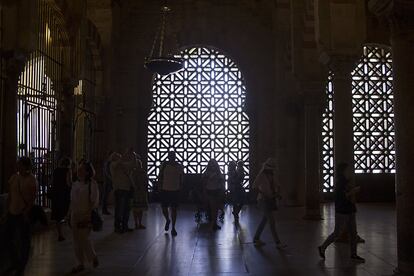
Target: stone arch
{"x":40,"y":93}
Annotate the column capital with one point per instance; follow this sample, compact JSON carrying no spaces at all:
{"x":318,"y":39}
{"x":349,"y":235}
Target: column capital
{"x":342,"y":65}
{"x":313,"y":93}
{"x":68,"y":85}
{"x":9,"y":3}
{"x":402,"y":20}
{"x":15,"y":61}
{"x":399,"y":14}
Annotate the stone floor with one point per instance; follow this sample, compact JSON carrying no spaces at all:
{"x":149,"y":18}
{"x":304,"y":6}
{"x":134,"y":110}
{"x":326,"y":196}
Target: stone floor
{"x":229,"y":251}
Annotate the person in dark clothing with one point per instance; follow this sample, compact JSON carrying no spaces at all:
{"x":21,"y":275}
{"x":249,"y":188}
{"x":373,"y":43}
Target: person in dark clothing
{"x":345,"y":213}
{"x":213,"y":181}
{"x":22,"y":194}
{"x":171,"y":182}
{"x":107,"y":188}
{"x":235,"y":180}
{"x":121,"y":166}
{"x":60,"y":195}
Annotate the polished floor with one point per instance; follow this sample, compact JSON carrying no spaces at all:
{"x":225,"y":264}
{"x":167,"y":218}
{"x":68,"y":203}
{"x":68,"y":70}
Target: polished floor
{"x":229,"y":251}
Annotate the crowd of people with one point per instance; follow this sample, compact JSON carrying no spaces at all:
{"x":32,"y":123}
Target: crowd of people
{"x":75,"y":194}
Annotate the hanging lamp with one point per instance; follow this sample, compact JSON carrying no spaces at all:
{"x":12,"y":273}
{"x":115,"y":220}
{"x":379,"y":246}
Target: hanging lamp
{"x":158,"y":62}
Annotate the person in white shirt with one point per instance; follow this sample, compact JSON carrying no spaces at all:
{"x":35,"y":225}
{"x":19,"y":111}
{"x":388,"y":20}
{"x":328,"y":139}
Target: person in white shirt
{"x":170,"y":184}
{"x":213,"y":181}
{"x":84,"y":198}
{"x":268,"y":189}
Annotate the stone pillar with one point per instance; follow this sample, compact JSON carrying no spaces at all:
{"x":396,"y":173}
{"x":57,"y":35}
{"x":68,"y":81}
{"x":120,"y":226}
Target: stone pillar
{"x":403,"y":71}
{"x":402,"y":41}
{"x":313,"y":137}
{"x":66,"y":119}
{"x":15,"y":61}
{"x":293,"y":188}
{"x":343,"y":122}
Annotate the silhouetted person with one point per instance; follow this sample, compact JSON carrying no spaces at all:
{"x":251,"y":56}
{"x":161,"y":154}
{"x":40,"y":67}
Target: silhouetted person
{"x":60,"y":193}
{"x":140,"y":194}
{"x":268,"y":189}
{"x":235,"y":181}
{"x":170,"y":181}
{"x":120,"y":169}
{"x":213,"y":181}
{"x":345,"y":210}
{"x":84,"y":198}
{"x":22,"y":194}
{"x":107,"y":186}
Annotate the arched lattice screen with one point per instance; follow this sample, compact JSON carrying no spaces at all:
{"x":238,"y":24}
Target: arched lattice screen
{"x":373,"y":117}
{"x":198,"y":112}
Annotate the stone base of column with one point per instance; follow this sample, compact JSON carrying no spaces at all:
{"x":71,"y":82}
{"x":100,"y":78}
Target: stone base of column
{"x":313,"y":214}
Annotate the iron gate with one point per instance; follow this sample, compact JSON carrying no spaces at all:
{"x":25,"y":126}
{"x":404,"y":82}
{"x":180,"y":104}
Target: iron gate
{"x":39,"y":89}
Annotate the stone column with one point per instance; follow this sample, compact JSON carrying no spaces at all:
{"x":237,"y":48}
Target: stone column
{"x":343,"y":122}
{"x":293,"y":188}
{"x":66,"y":119}
{"x":403,"y":71}
{"x":314,"y":96}
{"x":15,"y":61}
{"x":402,"y":41}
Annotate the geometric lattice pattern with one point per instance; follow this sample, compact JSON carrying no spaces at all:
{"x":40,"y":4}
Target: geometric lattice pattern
{"x":373,"y":112}
{"x":328,"y":140}
{"x":373,"y":117}
{"x":198,"y":112}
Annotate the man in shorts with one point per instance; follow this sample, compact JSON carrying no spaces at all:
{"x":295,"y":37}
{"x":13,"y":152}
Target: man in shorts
{"x":170,"y":184}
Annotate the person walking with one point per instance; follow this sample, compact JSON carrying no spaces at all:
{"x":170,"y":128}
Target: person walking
{"x":345,"y":211}
{"x":213,"y":181}
{"x":60,"y":194}
{"x":170,"y":184}
{"x":268,"y":189}
{"x":84,"y":198}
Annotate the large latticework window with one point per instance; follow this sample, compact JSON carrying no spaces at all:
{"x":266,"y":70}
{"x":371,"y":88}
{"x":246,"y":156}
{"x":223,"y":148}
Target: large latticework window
{"x":372,"y":99}
{"x":328,"y":140}
{"x":373,"y":117}
{"x":198,"y":112}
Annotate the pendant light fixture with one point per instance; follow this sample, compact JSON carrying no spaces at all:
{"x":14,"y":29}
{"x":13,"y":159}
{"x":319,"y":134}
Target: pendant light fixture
{"x":157,"y":61}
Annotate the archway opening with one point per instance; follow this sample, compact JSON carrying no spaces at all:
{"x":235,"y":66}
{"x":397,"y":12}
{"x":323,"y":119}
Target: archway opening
{"x":38,"y":96}
{"x":199,"y":113}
